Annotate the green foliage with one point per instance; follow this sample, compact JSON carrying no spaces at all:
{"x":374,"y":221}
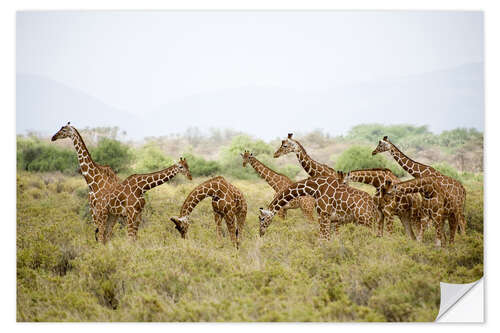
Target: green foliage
{"x":34,"y":155}
{"x":113,"y":153}
{"x":199,"y":167}
{"x":150,"y":158}
{"x":287,"y":275}
{"x":459,"y":137}
{"x":447,"y":170}
{"x":360,"y":157}
{"x":374,"y":132}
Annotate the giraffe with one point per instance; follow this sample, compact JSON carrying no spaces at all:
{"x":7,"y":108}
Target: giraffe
{"x":454,"y":191}
{"x":408,"y":207}
{"x":433,"y":199}
{"x":335,"y":203}
{"x":312,"y":167}
{"x":279,"y":181}
{"x":228,"y":203}
{"x":99,"y":178}
{"x":126,"y":199}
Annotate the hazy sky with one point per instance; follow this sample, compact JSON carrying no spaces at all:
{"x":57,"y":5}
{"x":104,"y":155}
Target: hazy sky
{"x":141,"y":61}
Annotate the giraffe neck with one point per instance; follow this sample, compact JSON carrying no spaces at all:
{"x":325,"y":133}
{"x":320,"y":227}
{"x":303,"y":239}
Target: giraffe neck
{"x":375,"y":178}
{"x":312,"y":167}
{"x":298,"y":189}
{"x":87,"y":165}
{"x":415,"y":169}
{"x":271,"y":177}
{"x":201,"y":192}
{"x":156,"y":178}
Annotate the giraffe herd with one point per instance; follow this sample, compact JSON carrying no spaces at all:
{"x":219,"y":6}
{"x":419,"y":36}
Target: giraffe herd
{"x":430,"y":196}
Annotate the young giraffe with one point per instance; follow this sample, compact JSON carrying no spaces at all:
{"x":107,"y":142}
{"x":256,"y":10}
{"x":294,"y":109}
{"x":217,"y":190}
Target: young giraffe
{"x":278,"y":182}
{"x":453,"y":189}
{"x":228,"y":203}
{"x":335,"y":203}
{"x":126,"y":199}
{"x":407,"y":206}
{"x":312,"y":167}
{"x":433,"y":199}
{"x":99,"y":178}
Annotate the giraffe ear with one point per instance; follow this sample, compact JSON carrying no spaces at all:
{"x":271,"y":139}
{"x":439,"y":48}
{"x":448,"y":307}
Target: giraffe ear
{"x":251,"y":154}
{"x":68,"y":123}
{"x":385,"y":138}
{"x":261,"y":209}
{"x":290,"y":135}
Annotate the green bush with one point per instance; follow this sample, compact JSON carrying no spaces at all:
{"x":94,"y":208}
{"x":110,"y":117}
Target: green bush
{"x":447,"y":170}
{"x":199,"y":167}
{"x":150,"y":158}
{"x":113,"y":153}
{"x":360,"y":157}
{"x":34,"y":155}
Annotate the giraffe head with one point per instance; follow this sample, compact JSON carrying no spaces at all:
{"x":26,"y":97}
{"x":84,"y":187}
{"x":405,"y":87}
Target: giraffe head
{"x":65,"y":132}
{"x":181,"y":224}
{"x":184,"y":168}
{"x":246,"y":157}
{"x":265,"y":218}
{"x":287,"y":146}
{"x":383,"y":145}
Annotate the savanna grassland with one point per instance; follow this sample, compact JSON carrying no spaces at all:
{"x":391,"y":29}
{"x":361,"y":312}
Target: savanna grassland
{"x":63,"y":274}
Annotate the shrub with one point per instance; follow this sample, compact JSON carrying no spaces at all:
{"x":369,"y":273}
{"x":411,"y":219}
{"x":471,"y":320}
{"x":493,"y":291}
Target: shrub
{"x":360,"y":157}
{"x":199,"y":167}
{"x":34,"y":155}
{"x":150,"y":158}
{"x":447,"y":170}
{"x":113,"y":153}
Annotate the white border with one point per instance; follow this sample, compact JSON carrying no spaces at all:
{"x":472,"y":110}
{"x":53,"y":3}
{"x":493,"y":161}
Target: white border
{"x":7,"y":101}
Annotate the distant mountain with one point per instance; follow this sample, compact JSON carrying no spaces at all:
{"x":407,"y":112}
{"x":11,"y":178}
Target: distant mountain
{"x":44,"y":105}
{"x":443,"y":100}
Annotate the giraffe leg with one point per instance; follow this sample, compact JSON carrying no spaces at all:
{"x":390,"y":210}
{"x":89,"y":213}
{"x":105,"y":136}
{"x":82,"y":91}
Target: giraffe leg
{"x":102,"y":218}
{"x":231,"y":227}
{"x":453,"y":223}
{"x":438,"y":222}
{"x":109,"y":226}
{"x":390,"y":224}
{"x":240,"y":218}
{"x":307,"y":206}
{"x":218,"y":226}
{"x":132,"y":224}
{"x":324,"y":227}
{"x":408,"y":227}
{"x":461,"y":221}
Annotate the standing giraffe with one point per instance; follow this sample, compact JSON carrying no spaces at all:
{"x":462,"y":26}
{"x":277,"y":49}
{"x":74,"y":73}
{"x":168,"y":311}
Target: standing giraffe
{"x":433,"y":199}
{"x":99,"y":178}
{"x":228,"y":203}
{"x":278,"y":182}
{"x":312,"y":167}
{"x":335,"y":203}
{"x":126,"y":199}
{"x":453,"y":189}
{"x":407,"y":206}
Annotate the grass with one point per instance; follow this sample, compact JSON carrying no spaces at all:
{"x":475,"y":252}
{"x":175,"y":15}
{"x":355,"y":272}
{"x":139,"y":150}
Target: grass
{"x":288,"y":275}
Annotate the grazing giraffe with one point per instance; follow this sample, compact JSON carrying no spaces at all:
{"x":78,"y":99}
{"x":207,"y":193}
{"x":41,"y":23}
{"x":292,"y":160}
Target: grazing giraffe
{"x":278,"y":182}
{"x":433,"y":199}
{"x":312,"y":167}
{"x":228,"y":203}
{"x":453,"y":189}
{"x":99,"y":178}
{"x":126,"y":199}
{"x":335,"y":203}
{"x":407,"y":206}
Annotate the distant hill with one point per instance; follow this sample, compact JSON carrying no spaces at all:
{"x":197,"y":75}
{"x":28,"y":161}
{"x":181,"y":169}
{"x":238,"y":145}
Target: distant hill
{"x":45,"y":105}
{"x":442,"y":100}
